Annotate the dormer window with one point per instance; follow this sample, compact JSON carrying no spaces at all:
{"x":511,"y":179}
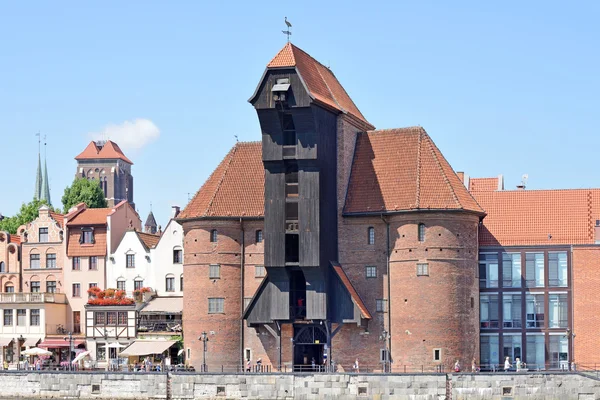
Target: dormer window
{"x":87,"y":236}
{"x":43,"y":235}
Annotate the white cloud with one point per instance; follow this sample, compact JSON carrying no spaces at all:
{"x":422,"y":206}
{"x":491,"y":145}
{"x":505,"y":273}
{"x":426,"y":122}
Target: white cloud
{"x":129,"y":135}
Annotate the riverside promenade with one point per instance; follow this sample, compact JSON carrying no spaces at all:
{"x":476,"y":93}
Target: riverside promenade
{"x":179,"y":386}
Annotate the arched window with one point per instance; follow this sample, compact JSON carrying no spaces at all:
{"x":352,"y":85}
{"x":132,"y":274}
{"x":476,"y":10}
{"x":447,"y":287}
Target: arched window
{"x":259,"y":236}
{"x":170,"y":283}
{"x":213,"y":236}
{"x":371,"y":234}
{"x":138,"y":283}
{"x":2,"y":266}
{"x":421,"y":232}
{"x":9,"y":288}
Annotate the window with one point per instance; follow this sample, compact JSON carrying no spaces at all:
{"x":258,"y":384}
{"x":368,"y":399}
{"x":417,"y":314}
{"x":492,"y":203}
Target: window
{"x":177,"y":256}
{"x":93,"y":263}
{"x":43,"y":235}
{"x":101,"y":352}
{"x":50,"y":286}
{"x":2,"y":266}
{"x":557,"y":269}
{"x":422,"y":269}
{"x":9,"y":288}
{"x":291,"y":181}
{"x":181,"y":282}
{"x":91,"y":286}
{"x":130,"y":260}
{"x":371,"y":271}
{"x":259,"y":271}
{"x":489,"y":350}
{"x":536,"y":352}
{"x":511,"y":310}
{"x":214,"y":271}
{"x":76,"y":290}
{"x":122,"y":318}
{"x":51,"y":260}
{"x":111,"y":318}
{"x":87,"y":237}
{"x":259,"y":236}
{"x":34,"y":261}
{"x":488,"y":270}
{"x":76,"y":322}
{"x":76,"y":263}
{"x":34,"y":286}
{"x":216,"y":305}
{"x":437,"y":354}
{"x":534,"y":265}
{"x":34,"y":317}
{"x":213,"y":236}
{"x":383,"y":355}
{"x":559,"y":351}
{"x":138,"y":284}
{"x":289,"y":130}
{"x":371,"y":235}
{"x":534,"y":308}
{"x":8,"y":317}
{"x":170,"y":284}
{"x":421,"y":232}
{"x":558,"y":310}
{"x":21,"y":317}
{"x":512,"y":347}
{"x":511,"y":270}
{"x":248,"y":354}
{"x":381,"y":305}
{"x":99,"y":318}
{"x":488,"y":311}
{"x":121,"y":284}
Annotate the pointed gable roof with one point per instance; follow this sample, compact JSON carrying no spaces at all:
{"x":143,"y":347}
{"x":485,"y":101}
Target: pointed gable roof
{"x":110,"y":150}
{"x":320,"y":82}
{"x":149,"y":240}
{"x":403,"y":170}
{"x":150,"y":221}
{"x":235,"y":188}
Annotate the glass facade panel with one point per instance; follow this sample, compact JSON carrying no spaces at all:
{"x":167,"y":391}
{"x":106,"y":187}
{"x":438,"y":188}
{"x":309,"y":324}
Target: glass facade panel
{"x":512,"y":347}
{"x":488,"y":311}
{"x":511,"y":310}
{"x":557,"y":269}
{"x":557,"y":308}
{"x":559,"y":352}
{"x":536,"y":352}
{"x":534,"y":309}
{"x":488,"y":270}
{"x":534,"y":274}
{"x":489,"y":346}
{"x":511,"y":270}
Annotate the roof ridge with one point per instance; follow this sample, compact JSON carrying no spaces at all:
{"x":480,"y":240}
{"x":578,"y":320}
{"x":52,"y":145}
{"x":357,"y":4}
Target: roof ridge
{"x":418,"y":194}
{"x":218,"y":187}
{"x":590,"y":216}
{"x":330,"y":91}
{"x":432,"y":146}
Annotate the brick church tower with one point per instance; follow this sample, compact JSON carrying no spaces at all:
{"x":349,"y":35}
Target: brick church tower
{"x":370,"y":239}
{"x":104,"y":161}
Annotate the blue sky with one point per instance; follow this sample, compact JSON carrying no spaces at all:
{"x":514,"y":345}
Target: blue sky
{"x":502,"y":87}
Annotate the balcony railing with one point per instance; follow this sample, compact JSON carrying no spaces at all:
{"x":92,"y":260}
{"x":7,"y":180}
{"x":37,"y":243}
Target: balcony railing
{"x":33,"y":298}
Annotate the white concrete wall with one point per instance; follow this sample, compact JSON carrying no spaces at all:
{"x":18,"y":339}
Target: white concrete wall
{"x":162,"y":259}
{"x":116,"y":267}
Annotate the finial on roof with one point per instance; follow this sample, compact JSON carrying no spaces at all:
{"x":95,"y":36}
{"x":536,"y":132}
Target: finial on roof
{"x":287,"y":32}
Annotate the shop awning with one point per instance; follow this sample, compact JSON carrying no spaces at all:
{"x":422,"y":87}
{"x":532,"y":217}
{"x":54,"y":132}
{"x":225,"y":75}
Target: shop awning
{"x":147,"y":347}
{"x":5,"y":342}
{"x":56,"y":343}
{"x":31,"y":341}
{"x":164,"y":305}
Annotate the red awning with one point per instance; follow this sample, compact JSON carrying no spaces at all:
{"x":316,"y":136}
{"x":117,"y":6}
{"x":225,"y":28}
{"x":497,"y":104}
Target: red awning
{"x":56,"y":343}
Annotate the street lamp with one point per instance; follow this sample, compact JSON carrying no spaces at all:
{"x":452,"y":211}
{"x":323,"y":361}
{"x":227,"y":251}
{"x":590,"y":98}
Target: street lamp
{"x":385,"y":337}
{"x":204,"y":338}
{"x":70,"y":340}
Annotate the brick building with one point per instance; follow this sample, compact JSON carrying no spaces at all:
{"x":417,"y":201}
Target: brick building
{"x":329,"y":240}
{"x":539,"y":254}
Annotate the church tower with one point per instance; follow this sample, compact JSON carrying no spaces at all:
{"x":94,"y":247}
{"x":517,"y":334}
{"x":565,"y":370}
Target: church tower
{"x":105,"y":162}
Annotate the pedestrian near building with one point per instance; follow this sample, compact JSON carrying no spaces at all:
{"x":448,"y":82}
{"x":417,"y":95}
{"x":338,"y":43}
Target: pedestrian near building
{"x":457,"y":366}
{"x":518,"y":364}
{"x":355,"y":366}
{"x":507,"y":364}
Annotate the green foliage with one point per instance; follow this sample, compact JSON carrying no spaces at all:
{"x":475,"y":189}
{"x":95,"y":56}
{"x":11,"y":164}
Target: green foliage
{"x":27,"y":213}
{"x":84,"y":191}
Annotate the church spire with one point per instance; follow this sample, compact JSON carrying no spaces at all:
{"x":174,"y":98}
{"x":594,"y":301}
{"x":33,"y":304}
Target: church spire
{"x":46,"y":185}
{"x":37,"y":194}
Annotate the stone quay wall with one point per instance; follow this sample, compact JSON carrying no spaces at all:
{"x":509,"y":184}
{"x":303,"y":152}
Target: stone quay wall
{"x":180,"y":386}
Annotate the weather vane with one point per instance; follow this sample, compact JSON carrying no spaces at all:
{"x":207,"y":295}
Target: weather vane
{"x":287,"y":32}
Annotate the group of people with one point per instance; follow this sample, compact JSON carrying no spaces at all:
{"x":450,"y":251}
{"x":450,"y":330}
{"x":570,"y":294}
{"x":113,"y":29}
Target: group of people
{"x":258,"y":367}
{"x":520,"y":366}
{"x":147,"y":366}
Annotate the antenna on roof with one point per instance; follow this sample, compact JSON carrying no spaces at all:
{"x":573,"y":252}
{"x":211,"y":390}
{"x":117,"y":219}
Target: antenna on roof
{"x":287,"y":32}
{"x":523,"y":183}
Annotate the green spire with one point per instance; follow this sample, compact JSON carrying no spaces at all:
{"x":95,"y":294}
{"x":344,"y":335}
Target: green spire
{"x":46,"y":186}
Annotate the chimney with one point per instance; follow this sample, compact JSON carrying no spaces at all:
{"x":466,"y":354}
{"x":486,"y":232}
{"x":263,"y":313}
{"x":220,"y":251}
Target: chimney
{"x":174,"y":212}
{"x":500,"y":182}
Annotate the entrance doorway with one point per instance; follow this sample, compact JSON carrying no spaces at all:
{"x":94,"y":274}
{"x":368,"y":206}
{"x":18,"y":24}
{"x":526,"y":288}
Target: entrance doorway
{"x":309,"y":346}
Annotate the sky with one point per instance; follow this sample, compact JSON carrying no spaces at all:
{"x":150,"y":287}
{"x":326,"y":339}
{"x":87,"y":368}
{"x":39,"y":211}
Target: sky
{"x":506,"y":87}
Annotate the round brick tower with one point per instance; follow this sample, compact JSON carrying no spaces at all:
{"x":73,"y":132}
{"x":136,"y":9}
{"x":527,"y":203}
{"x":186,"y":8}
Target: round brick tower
{"x":220,"y":286}
{"x":434,"y":302}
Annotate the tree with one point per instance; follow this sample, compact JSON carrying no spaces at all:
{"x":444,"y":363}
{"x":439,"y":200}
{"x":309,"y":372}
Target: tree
{"x":84,"y":191}
{"x":27,"y":213}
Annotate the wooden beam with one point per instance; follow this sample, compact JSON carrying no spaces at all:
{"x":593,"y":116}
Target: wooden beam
{"x":271,"y":331}
{"x":336,"y":330}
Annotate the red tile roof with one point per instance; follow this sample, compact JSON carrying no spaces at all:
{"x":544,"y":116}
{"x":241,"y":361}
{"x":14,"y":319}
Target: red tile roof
{"x":321,"y":83}
{"x":353,"y":293}
{"x":235,"y":188}
{"x":13,"y":238}
{"x":59,"y":218}
{"x":110,"y":150}
{"x":148,"y":239}
{"x":538,"y":217}
{"x":90,"y":216}
{"x":402,"y":170}
{"x":483,"y":184}
{"x":76,"y":249}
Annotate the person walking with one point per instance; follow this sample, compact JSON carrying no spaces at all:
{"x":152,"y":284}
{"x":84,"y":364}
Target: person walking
{"x":355,"y":366}
{"x":473,"y":366}
{"x":507,"y":364}
{"x":259,"y":365}
{"x":518,"y":363}
{"x":248,"y":365}
{"x":457,"y":366}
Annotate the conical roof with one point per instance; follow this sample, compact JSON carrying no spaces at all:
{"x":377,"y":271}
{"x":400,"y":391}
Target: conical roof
{"x":150,"y":221}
